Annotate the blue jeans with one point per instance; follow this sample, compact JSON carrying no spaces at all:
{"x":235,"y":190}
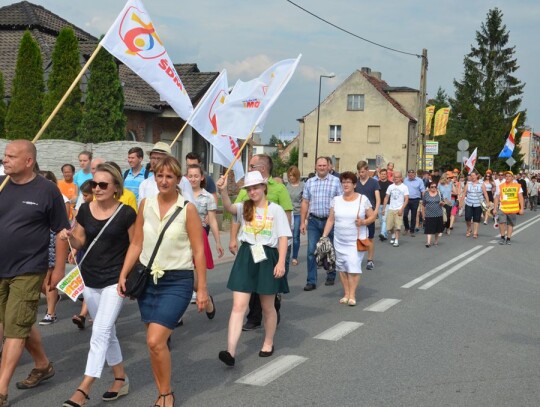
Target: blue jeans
{"x":382,"y":220}
{"x":296,"y":237}
{"x":315,"y":228}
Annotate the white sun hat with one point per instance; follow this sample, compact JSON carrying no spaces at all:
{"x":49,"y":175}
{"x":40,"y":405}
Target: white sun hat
{"x":253,"y":178}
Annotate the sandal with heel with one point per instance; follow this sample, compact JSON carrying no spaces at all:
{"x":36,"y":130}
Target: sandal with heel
{"x":113,"y":395}
{"x":164,"y":397}
{"x":70,"y":403}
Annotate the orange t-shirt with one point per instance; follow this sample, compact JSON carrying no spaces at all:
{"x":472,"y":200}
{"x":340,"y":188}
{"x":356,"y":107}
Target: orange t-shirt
{"x":69,"y":190}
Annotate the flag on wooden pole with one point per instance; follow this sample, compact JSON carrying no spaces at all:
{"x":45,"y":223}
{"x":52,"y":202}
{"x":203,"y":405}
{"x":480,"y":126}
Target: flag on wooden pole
{"x":134,"y":41}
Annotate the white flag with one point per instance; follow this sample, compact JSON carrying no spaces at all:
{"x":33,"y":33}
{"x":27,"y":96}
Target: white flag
{"x":247,"y":106}
{"x":204,"y":120}
{"x":471,"y":162}
{"x":134,"y":41}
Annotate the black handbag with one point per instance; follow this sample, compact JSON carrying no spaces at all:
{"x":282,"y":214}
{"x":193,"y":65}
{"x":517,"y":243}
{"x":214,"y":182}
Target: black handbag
{"x":138,"y":276}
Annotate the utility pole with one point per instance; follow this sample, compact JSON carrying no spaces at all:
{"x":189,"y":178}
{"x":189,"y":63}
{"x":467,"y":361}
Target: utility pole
{"x":421,"y":131}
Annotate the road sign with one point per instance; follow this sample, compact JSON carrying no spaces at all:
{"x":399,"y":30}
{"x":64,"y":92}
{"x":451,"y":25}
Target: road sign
{"x":429,"y":162}
{"x":510,"y":162}
{"x":432,"y":147}
{"x":461,"y":155}
{"x":463,"y":145}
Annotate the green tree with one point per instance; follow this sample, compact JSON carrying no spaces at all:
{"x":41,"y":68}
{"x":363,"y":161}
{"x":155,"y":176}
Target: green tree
{"x":23,"y":118}
{"x":3,"y":107}
{"x":103,"y":114}
{"x":293,"y":156}
{"x":488,"y":97}
{"x":65,"y":68}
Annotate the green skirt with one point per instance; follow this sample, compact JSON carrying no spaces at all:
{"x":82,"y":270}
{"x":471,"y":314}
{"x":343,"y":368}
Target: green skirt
{"x":249,"y":277}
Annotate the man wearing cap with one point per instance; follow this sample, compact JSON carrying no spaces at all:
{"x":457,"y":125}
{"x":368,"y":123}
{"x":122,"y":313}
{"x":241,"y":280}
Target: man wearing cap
{"x":508,"y":199}
{"x":278,"y":194}
{"x":416,"y":192}
{"x":318,"y":192}
{"x":149,"y":187}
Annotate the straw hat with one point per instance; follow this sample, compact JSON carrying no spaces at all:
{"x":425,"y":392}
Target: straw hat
{"x":253,"y":178}
{"x":160,"y":147}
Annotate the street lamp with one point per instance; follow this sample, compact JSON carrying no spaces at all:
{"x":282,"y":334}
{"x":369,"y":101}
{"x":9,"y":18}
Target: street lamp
{"x":331,"y":75}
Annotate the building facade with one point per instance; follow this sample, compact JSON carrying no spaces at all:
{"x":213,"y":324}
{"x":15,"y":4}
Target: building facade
{"x":362,"y":119}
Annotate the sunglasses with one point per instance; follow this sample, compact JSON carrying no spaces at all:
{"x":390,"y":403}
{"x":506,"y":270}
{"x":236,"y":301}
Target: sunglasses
{"x":101,"y":185}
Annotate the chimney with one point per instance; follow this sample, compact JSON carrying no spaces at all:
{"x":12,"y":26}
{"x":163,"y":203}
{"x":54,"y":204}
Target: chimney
{"x":377,"y":75}
{"x":366,"y":70}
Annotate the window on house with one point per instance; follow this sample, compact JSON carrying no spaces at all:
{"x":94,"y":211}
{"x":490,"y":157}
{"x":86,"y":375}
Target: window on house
{"x":335,"y":133}
{"x":374,"y":134}
{"x":372,"y":164}
{"x":355,"y":102}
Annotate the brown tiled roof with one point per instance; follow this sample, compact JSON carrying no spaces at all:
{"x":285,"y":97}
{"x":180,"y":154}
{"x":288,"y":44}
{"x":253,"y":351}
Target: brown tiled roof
{"x":45,"y":26}
{"x":383,"y":89}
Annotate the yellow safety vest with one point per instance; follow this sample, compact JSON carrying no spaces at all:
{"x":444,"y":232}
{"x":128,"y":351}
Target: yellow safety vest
{"x":509,"y":197}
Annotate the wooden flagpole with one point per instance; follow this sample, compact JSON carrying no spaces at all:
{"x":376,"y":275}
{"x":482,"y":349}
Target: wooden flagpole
{"x":240,"y":151}
{"x":60,"y":103}
{"x":179,"y":133}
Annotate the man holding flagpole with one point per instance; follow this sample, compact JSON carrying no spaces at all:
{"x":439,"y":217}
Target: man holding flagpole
{"x":30,"y":207}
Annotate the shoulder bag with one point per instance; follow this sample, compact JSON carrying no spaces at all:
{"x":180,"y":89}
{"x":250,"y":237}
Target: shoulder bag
{"x":99,"y":234}
{"x":138,"y":276}
{"x":362,"y":245}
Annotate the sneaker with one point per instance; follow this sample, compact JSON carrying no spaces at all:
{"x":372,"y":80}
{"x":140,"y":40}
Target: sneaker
{"x":194,"y":297}
{"x":395,"y":244}
{"x":48,"y":319}
{"x":370,"y":265}
{"x":250,"y":326}
{"x":382,"y":237}
{"x":508,"y":242}
{"x":392,"y":240}
{"x":502,"y":241}
{"x":310,"y":287}
{"x":329,"y":281}
{"x":36,"y":376}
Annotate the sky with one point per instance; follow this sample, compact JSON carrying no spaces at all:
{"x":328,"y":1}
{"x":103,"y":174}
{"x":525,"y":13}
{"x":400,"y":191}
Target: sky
{"x":246,"y":37}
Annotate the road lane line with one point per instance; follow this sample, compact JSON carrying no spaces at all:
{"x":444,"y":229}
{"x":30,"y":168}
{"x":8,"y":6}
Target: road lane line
{"x":382,"y":305}
{"x":271,"y":371}
{"x":515,"y":232}
{"x":338,"y":331}
{"x":454,"y":269}
{"x":439,"y":268}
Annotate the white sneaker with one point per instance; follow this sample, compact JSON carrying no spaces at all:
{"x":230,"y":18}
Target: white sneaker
{"x":395,"y":244}
{"x":194,"y":297}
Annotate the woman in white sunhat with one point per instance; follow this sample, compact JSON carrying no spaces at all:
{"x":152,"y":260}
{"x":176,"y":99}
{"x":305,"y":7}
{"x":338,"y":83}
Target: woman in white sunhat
{"x":259,"y":266}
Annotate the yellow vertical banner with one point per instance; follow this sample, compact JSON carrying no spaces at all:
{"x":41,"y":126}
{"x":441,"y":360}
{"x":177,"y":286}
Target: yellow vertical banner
{"x":441,"y":120}
{"x":430,"y":111}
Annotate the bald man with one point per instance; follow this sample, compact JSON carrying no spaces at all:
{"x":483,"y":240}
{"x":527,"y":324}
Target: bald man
{"x":30,"y":206}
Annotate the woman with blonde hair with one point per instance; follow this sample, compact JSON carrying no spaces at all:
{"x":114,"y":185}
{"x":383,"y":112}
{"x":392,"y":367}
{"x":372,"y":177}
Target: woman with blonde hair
{"x":171,"y":282}
{"x":103,"y":230}
{"x":295,"y":187}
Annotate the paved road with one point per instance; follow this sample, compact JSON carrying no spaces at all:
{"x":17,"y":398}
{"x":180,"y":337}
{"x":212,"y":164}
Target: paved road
{"x":426,"y":332}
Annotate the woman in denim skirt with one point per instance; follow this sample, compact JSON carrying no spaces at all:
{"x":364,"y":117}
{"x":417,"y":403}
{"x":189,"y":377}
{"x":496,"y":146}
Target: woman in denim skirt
{"x":169,"y":288}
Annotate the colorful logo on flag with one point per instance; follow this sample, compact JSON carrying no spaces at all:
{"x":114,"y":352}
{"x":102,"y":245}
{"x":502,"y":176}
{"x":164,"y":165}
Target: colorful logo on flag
{"x":218,"y":100}
{"x":140,"y":37}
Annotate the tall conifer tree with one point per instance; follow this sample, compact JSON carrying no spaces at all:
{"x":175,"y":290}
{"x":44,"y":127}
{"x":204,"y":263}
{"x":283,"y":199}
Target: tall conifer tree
{"x":488,"y":97}
{"x":3,"y":107}
{"x":65,"y":67}
{"x":23,"y":118}
{"x":103,"y":115}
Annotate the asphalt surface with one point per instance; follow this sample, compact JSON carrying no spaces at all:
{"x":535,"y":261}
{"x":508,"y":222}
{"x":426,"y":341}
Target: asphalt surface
{"x":470,"y":339}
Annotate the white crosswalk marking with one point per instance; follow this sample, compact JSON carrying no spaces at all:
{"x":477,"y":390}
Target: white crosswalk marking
{"x":382,"y":305}
{"x":271,"y":371}
{"x":338,"y":331}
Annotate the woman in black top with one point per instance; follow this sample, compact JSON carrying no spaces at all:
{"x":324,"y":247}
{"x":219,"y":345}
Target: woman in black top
{"x":100,"y":270}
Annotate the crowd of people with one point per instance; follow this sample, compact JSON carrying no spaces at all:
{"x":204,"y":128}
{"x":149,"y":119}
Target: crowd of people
{"x":109,"y":222}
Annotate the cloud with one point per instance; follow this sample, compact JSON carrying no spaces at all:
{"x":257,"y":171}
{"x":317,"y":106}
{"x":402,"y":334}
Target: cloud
{"x":249,"y":67}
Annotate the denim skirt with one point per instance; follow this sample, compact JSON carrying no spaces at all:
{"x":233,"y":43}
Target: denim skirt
{"x":164,"y":303}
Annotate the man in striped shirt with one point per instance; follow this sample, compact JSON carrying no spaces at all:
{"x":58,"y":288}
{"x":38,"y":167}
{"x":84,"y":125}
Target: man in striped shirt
{"x":318,"y":192}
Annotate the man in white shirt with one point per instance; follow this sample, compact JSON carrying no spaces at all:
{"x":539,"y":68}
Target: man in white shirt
{"x":397,"y":198}
{"x":149,"y":187}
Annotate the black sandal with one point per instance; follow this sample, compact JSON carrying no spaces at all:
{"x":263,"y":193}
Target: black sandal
{"x":69,"y":403}
{"x":79,"y":320}
{"x":164,"y":396}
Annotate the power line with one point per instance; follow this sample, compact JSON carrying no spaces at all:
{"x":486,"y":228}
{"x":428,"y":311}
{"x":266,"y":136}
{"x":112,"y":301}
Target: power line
{"x":353,"y":34}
